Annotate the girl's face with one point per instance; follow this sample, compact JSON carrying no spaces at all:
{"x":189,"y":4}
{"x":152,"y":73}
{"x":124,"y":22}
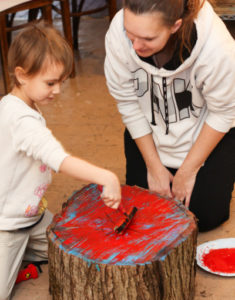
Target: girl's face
{"x":42,"y":87}
{"x":147,"y":32}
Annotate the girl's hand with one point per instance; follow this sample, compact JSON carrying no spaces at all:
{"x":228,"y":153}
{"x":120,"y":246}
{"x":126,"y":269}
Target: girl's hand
{"x":159,"y":180}
{"x":83,"y":170}
{"x":182,"y":185}
{"x":111,"y":194}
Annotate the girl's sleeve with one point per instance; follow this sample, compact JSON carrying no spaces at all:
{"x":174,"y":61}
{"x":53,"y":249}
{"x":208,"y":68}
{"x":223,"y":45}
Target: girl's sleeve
{"x":120,"y":82}
{"x":31,"y":136}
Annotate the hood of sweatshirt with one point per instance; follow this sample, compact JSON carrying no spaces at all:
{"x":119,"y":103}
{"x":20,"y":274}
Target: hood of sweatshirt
{"x":200,"y":34}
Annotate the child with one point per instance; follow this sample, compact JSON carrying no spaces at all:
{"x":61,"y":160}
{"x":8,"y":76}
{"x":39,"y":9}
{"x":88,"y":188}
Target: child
{"x":39,"y":61}
{"x":170,"y":64}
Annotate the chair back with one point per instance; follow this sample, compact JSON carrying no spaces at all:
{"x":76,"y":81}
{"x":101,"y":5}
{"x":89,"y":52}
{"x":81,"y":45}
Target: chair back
{"x":8,"y":9}
{"x":6,"y":4}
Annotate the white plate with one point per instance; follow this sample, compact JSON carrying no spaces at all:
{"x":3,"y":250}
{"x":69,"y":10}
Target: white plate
{"x":217,"y":244}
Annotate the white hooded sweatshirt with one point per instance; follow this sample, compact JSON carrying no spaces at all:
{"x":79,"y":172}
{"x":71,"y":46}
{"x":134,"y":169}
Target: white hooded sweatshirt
{"x":173,"y":103}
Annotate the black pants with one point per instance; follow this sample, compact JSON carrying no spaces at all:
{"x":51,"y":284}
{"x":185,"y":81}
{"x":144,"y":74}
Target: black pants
{"x":210,"y":200}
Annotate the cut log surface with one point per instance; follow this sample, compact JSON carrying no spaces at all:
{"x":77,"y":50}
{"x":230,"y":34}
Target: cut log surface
{"x":153,"y":259}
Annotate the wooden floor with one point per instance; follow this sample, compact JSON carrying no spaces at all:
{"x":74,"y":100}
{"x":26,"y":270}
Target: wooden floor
{"x":85,"y":119}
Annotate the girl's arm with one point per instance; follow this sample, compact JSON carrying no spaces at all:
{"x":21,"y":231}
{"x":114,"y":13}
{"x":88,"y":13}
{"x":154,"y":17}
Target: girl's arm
{"x":159,"y":177}
{"x":185,"y":177}
{"x":82,"y":170}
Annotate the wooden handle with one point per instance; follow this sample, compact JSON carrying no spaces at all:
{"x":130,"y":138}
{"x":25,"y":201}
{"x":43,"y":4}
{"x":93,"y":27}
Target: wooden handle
{"x":122,"y":209}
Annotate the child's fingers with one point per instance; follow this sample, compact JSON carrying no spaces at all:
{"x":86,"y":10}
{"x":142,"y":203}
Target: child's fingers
{"x":113,"y":203}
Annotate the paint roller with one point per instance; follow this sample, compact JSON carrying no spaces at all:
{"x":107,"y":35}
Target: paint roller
{"x":121,"y":227}
{"x":125,"y":222}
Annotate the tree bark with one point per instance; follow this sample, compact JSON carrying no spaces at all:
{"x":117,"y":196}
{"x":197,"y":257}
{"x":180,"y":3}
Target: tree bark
{"x":162,"y":268}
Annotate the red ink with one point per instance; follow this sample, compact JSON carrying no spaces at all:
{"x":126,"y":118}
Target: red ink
{"x":220,"y":260}
{"x":85,"y":227}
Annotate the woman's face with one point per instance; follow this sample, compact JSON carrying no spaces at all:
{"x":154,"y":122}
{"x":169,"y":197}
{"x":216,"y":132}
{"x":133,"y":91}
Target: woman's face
{"x":147,"y":32}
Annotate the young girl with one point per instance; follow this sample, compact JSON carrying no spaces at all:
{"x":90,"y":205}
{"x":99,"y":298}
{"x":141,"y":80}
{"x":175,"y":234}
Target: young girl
{"x":170,"y":65}
{"x":39,"y":61}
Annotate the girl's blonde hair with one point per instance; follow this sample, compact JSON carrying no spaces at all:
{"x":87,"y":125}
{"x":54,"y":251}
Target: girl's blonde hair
{"x":33,"y":45}
{"x":171,"y":11}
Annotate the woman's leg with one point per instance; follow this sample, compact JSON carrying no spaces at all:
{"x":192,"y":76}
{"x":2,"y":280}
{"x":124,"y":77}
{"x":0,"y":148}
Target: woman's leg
{"x":136,"y":172}
{"x":210,"y":200}
{"x":211,"y":196}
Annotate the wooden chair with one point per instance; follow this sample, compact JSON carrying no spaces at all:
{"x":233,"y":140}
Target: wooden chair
{"x":77,"y":12}
{"x":64,"y":11}
{"x":65,"y":14}
{"x":70,"y":9}
{"x":225,"y":9}
{"x":8,"y":8}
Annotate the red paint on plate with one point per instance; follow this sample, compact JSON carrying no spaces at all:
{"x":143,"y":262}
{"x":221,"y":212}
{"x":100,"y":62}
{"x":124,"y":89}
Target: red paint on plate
{"x":220,"y":260}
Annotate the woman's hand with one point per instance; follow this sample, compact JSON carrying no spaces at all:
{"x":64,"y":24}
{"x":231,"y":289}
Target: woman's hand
{"x":159,"y":180}
{"x":185,"y":177}
{"x":158,"y":177}
{"x":183,"y":183}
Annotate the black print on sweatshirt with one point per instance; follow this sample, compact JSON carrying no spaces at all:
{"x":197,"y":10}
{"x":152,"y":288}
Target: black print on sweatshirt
{"x":159,"y":105}
{"x":179,"y":97}
{"x":141,"y":82}
{"x":183,"y":99}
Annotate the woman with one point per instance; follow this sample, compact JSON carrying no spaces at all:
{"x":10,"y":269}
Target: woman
{"x":170,"y":65}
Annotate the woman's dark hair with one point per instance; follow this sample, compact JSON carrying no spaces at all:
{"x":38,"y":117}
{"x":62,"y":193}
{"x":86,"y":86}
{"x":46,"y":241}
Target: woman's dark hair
{"x":171,"y":10}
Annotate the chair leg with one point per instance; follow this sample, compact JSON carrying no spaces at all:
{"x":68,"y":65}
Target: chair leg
{"x":9,"y":23}
{"x":67,"y":26}
{"x":47,"y":13}
{"x":76,"y":21}
{"x":4,"y":51}
{"x":65,"y":12}
{"x":112,"y":4}
{"x":33,"y":13}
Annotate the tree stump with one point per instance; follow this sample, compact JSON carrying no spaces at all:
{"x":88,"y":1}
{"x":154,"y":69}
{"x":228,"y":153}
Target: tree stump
{"x":153,"y":259}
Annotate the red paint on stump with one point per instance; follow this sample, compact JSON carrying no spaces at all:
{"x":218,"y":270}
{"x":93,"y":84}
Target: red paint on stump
{"x":85,"y":227}
{"x":220,"y":260}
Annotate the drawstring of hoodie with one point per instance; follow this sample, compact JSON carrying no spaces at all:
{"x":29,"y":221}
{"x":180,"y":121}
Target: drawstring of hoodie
{"x":152,"y":101}
{"x":165,"y":103}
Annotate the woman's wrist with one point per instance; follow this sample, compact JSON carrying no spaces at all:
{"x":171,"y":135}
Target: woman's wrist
{"x":190,"y":167}
{"x":201,"y":149}
{"x":153,"y":161}
{"x":149,"y":152}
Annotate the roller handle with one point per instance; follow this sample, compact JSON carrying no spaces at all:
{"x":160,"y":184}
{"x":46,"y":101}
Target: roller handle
{"x":122,"y":209}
